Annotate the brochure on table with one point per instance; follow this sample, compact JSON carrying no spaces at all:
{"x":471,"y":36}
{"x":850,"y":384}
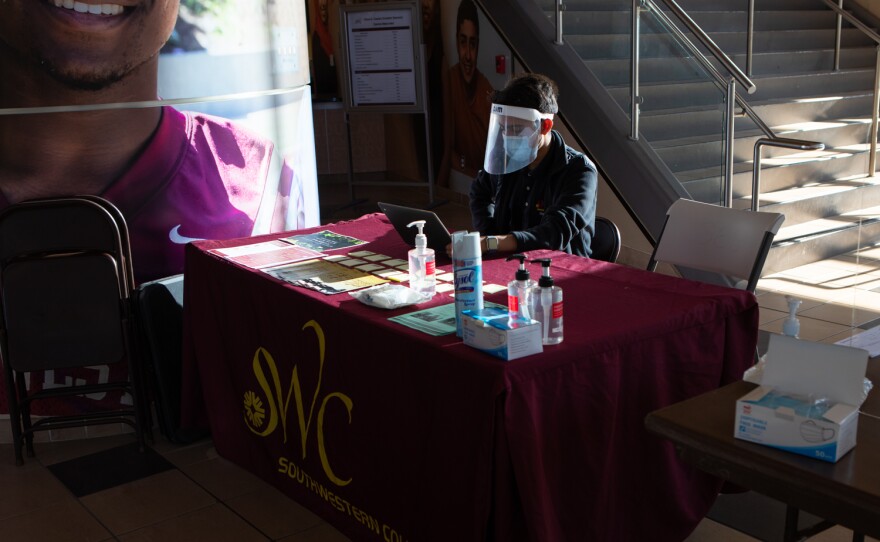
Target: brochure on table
{"x":324,"y":240}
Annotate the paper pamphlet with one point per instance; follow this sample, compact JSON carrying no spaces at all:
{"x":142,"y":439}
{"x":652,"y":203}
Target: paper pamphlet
{"x":439,"y":320}
{"x":323,"y":276}
{"x":266,"y":254}
{"x":324,"y":240}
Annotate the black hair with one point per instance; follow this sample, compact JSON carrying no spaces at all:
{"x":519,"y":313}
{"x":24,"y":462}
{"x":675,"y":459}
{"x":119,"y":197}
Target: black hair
{"x":467,"y":11}
{"x":531,"y":90}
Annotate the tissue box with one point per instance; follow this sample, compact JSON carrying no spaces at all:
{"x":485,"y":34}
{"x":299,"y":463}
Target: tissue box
{"x":768,"y":416}
{"x":493,"y":331}
{"x":779,"y":413}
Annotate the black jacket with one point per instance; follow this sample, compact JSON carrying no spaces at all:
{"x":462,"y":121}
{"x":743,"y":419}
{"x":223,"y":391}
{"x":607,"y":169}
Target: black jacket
{"x":552,"y":206}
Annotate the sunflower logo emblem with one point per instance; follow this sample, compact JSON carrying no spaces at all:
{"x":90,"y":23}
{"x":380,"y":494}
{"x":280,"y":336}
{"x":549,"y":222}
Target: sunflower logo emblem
{"x":253,"y":409}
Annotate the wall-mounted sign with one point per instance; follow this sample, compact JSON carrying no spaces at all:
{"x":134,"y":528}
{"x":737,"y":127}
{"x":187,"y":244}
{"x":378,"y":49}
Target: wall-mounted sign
{"x":383,"y":64}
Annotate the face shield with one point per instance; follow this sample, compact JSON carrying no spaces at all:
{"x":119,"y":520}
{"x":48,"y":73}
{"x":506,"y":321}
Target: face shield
{"x":514,"y":138}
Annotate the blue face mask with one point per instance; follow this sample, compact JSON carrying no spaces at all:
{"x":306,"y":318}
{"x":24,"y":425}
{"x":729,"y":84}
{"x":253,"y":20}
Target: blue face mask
{"x":519,"y":151}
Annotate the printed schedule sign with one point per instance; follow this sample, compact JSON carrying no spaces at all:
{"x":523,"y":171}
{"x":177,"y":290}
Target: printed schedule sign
{"x":383,"y":69}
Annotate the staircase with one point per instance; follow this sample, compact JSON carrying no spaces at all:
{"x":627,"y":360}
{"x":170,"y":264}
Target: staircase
{"x":830,"y":204}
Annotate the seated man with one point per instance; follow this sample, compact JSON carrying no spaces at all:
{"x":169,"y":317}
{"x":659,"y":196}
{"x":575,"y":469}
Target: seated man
{"x":534,"y":192}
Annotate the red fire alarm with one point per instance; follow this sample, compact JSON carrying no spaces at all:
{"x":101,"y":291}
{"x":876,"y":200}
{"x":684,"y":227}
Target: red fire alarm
{"x":500,"y":64}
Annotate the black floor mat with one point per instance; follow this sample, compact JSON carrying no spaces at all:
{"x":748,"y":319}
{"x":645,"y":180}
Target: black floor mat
{"x":109,"y":468}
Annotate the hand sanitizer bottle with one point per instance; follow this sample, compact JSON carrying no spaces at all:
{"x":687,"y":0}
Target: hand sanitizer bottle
{"x":547,"y":305}
{"x":422,"y":266}
{"x":519,"y":289}
{"x":792,"y":326}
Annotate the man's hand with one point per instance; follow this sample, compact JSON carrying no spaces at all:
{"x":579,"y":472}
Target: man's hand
{"x":506,"y":243}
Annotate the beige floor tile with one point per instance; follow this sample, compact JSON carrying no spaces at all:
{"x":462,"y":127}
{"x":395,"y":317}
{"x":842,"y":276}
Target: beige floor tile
{"x":865,"y":281}
{"x":215,"y":523}
{"x":765,"y":316}
{"x":801,"y":289}
{"x":811,"y":330}
{"x":843,"y":335}
{"x":222,"y":478}
{"x":840,"y":314}
{"x":7,"y":458}
{"x":712,"y":531}
{"x":24,"y":490}
{"x":779,"y":302}
{"x":824,"y":271}
{"x":862,"y":299}
{"x":274,"y":513}
{"x":189,"y":454}
{"x":322,"y":533}
{"x":66,"y":520}
{"x":147,"y":501}
{"x":836,"y":534}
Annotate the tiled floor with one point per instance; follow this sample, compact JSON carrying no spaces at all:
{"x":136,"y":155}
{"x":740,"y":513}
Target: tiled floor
{"x":207,"y":498}
{"x":203,"y":498}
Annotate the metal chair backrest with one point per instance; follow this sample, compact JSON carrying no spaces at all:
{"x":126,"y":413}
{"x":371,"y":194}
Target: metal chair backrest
{"x":68,"y":224}
{"x":606,"y":242}
{"x":62,"y":311}
{"x":716,"y":239}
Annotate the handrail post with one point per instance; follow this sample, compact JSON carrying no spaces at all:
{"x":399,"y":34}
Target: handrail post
{"x":837,"y":37}
{"x":756,"y":173}
{"x":872,"y":155}
{"x":559,"y":9}
{"x":750,"y":35}
{"x":634,"y":74}
{"x":782,"y":143}
{"x":728,"y":144}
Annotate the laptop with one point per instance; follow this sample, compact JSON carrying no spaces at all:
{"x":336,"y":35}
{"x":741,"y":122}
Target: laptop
{"x":400,"y":217}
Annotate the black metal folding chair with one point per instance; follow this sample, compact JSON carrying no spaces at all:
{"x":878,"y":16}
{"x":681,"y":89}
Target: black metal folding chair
{"x":65,"y":287}
{"x":605,"y":244}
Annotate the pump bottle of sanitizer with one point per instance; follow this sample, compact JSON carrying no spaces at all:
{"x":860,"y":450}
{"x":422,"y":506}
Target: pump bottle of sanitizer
{"x":547,"y":305}
{"x":422,"y":266}
{"x":519,"y":289}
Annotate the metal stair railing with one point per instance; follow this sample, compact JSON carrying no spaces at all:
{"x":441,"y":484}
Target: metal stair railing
{"x":851,"y":19}
{"x":725,"y":83}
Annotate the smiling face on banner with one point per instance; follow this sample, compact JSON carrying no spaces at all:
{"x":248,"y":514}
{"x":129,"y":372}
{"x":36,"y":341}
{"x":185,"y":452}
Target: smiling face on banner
{"x":85,"y":46}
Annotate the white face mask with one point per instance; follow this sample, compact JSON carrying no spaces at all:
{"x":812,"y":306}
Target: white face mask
{"x":514,"y":138}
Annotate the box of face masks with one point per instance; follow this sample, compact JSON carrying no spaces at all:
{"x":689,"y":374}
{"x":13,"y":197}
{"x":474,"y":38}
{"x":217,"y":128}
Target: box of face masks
{"x":808,"y":399}
{"x":493,"y":331}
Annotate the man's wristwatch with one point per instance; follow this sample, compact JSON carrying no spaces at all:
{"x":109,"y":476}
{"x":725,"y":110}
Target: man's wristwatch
{"x":491,"y":244}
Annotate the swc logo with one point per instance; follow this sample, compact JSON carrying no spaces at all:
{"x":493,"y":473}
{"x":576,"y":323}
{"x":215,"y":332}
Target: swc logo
{"x":264,"y":424}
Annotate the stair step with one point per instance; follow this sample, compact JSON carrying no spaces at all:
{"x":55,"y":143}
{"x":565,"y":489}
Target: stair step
{"x":822,"y":200}
{"x":598,"y":46}
{"x":673,"y":123}
{"x":620,"y":22}
{"x":616,"y":71}
{"x":671,"y":95}
{"x":804,"y":168}
{"x":790,"y":233}
{"x":822,"y":239}
{"x":705,"y":151}
{"x":687,"y":5}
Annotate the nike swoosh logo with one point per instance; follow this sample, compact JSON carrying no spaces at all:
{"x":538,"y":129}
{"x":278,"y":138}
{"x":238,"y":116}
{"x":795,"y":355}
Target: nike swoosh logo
{"x":175,"y":236}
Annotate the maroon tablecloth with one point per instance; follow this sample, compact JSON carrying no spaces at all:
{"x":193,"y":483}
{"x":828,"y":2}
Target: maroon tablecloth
{"x":392,"y":434}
